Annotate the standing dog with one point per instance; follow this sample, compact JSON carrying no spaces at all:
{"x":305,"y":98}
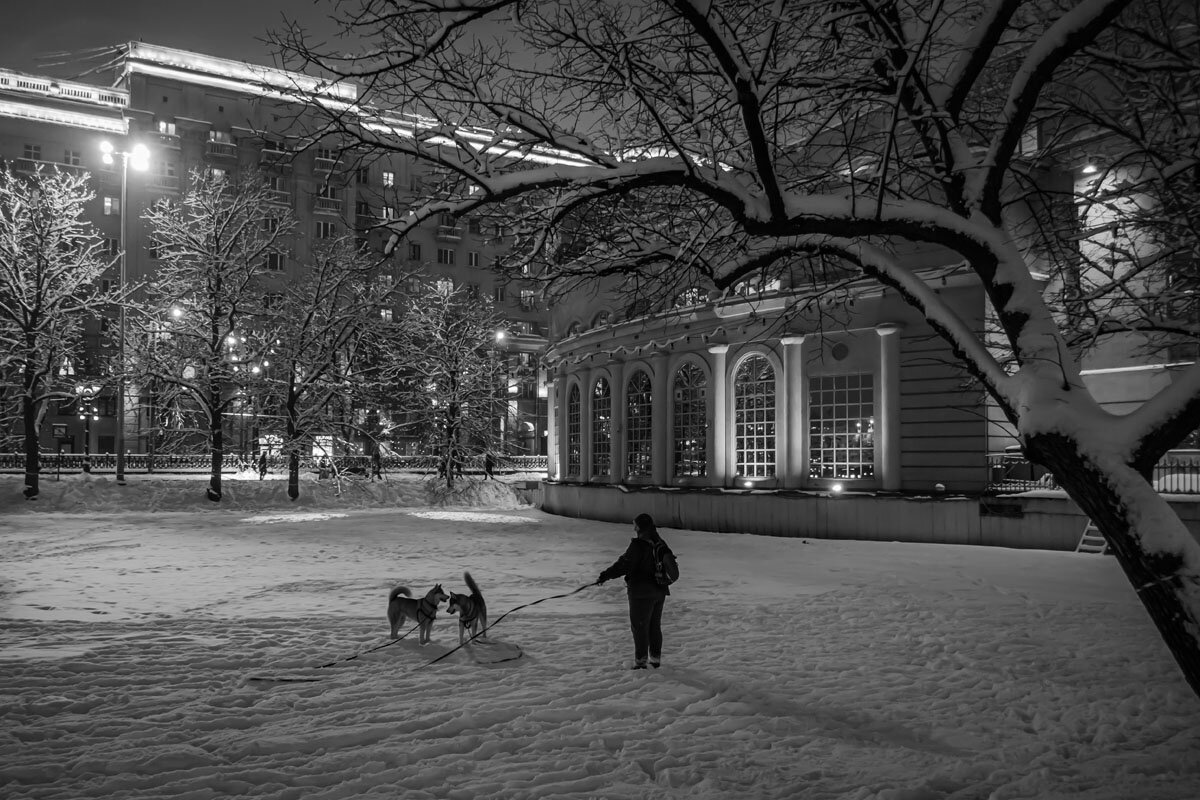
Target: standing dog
{"x":471,"y":610}
{"x":402,"y":606}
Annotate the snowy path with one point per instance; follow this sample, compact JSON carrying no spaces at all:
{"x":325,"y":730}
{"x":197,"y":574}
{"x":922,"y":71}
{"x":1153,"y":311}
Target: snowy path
{"x":818,"y":669}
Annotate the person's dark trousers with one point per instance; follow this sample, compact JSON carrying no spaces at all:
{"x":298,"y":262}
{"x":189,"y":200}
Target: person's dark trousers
{"x":645,"y":620}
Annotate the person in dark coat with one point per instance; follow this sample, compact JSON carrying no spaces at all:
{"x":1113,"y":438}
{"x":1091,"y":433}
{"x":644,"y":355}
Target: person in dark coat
{"x":646,"y":596}
{"x":262,"y":465}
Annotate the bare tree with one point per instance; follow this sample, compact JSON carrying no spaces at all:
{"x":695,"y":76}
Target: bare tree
{"x":450,"y":377}
{"x":51,"y":260}
{"x":325,"y":332}
{"x":853,"y":131}
{"x":199,"y":336}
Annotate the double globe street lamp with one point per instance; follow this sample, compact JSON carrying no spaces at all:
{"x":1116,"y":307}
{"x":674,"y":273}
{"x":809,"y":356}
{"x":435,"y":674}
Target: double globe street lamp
{"x":137,"y":157}
{"x":85,"y":393}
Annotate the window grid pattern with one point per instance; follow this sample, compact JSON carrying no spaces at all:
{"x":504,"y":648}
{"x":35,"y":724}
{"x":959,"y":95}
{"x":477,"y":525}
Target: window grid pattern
{"x":574,"y":433}
{"x":841,"y":442}
{"x":639,"y":436}
{"x":601,"y":428}
{"x":754,"y":418}
{"x":690,"y":434}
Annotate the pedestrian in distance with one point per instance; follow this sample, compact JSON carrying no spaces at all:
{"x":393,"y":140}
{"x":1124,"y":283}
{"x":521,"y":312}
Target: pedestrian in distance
{"x":649,"y":567}
{"x":489,"y":463}
{"x":323,"y":468}
{"x":262,"y":465}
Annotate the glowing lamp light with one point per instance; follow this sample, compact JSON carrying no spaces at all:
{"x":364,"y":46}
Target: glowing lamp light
{"x":176,"y":312}
{"x":836,"y":489}
{"x":139,"y":157}
{"x":1089,"y":169}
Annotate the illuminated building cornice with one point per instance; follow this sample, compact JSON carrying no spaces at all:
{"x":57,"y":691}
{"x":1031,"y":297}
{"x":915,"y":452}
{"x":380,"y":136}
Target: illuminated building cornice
{"x":62,"y":116}
{"x":238,"y":76}
{"x":36,"y":85}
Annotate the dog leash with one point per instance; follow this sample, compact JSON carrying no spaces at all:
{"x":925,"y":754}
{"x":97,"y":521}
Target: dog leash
{"x":497,"y":622}
{"x":399,"y":638}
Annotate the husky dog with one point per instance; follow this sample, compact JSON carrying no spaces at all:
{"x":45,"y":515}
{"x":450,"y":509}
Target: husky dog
{"x":471,"y":610}
{"x":402,"y":606}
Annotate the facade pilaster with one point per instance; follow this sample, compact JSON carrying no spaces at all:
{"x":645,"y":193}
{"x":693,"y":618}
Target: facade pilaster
{"x":887,"y":434}
{"x":793,"y":472}
{"x":660,"y":421}
{"x":719,"y":440}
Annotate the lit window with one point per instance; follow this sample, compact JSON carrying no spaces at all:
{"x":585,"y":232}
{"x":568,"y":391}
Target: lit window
{"x":220,"y":137}
{"x":218,"y":174}
{"x":166,"y":128}
{"x":389,"y":212}
{"x":444,"y":286}
{"x":528,"y":300}
{"x":327,"y":153}
{"x":754,"y":417}
{"x":638,"y":428}
{"x":690,"y":422}
{"x":389,"y":178}
{"x":386,"y":314}
{"x":601,"y":428}
{"x":574,"y":432}
{"x":112,"y":206}
{"x":841,"y":439}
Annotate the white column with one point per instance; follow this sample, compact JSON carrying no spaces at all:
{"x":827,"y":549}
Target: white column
{"x":793,"y":471}
{"x":887,"y":427}
{"x":617,"y":426}
{"x":661,"y":433}
{"x":718,"y":461}
{"x":554,"y":464}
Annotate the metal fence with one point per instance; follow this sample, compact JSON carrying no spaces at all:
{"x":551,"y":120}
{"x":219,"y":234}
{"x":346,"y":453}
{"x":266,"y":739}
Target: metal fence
{"x":1177,"y":473}
{"x":144,"y":463}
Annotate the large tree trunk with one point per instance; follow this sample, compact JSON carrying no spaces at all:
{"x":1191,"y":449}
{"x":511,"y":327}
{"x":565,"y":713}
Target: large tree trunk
{"x":29,"y":417}
{"x":1166,"y":580}
{"x":217,"y":437}
{"x":293,"y":488}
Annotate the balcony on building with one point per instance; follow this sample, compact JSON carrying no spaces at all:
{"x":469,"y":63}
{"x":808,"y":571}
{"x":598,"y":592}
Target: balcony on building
{"x":274,"y":154}
{"x":221,"y":149}
{"x":449,"y":229}
{"x":328,"y":205}
{"x":164,"y":181}
{"x":326,"y":160}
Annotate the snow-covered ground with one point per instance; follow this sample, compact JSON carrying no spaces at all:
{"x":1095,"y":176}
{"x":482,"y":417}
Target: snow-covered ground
{"x":154,"y":645}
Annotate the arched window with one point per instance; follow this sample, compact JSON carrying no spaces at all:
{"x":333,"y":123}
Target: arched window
{"x":690,"y":434}
{"x":574,"y":433}
{"x":574,"y":329}
{"x":601,"y":428}
{"x":639,"y":439}
{"x":601,"y":319}
{"x":754,"y":417}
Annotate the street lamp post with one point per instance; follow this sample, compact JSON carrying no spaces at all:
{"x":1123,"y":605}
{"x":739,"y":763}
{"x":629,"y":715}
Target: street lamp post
{"x":139,"y":157}
{"x":86,"y":393}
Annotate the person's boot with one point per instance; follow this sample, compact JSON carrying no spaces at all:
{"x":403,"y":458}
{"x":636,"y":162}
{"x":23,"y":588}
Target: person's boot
{"x":639,"y":664}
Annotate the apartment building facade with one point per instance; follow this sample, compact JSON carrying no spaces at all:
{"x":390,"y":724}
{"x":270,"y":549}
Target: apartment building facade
{"x":197,"y":112}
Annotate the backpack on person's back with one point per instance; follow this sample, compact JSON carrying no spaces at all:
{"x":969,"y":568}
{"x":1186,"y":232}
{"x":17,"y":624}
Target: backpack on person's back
{"x":666,"y":568}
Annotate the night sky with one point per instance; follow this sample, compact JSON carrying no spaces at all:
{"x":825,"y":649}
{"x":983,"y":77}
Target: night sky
{"x":34,"y":34}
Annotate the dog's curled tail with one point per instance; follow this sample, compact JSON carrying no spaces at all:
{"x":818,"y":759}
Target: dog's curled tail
{"x":399,"y":590}
{"x":474,"y":587}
